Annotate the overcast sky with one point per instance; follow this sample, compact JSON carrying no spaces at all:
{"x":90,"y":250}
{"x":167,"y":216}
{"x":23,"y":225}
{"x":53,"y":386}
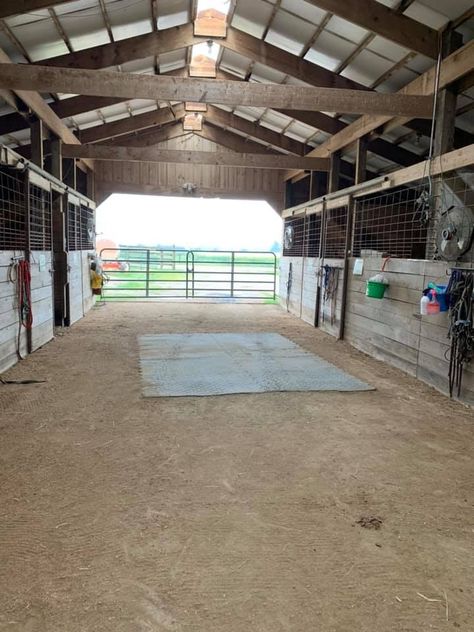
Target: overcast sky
{"x":188,"y":222}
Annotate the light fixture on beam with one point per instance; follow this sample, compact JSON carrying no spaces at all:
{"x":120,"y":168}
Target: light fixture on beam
{"x":192,"y":122}
{"x":195,"y":106}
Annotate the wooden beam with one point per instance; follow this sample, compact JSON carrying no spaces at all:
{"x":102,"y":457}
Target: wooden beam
{"x":149,"y":137}
{"x":453,"y":68}
{"x":279,"y":59}
{"x":129,"y":49}
{"x":15,"y":7}
{"x":233,"y":141}
{"x":334,"y":172}
{"x":37,"y":143}
{"x":136,"y":86}
{"x":361,"y":160}
{"x":394,"y":26}
{"x":228,"y":120}
{"x":130,"y":124}
{"x":227,"y":159}
{"x":36,"y":103}
{"x":76,"y":105}
{"x":150,"y":44}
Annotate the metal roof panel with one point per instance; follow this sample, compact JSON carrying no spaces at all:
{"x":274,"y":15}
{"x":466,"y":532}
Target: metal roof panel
{"x":366,"y":68}
{"x":305,"y":10}
{"x":289,"y":32}
{"x":252,"y":16}
{"x":330,"y":50}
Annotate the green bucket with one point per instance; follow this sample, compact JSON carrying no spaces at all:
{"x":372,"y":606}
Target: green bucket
{"x":375,"y":289}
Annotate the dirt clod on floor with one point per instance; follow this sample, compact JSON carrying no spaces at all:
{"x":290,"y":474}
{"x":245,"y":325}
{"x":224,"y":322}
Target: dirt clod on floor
{"x":370,"y":522}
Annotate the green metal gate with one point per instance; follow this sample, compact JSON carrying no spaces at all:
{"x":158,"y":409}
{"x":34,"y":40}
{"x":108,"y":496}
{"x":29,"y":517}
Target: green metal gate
{"x":145,"y":273}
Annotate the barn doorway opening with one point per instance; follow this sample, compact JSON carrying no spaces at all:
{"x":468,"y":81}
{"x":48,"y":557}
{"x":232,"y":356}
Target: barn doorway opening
{"x":158,"y":248}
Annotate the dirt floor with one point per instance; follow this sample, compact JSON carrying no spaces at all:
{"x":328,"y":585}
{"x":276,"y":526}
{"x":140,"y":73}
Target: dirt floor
{"x":272,"y":512}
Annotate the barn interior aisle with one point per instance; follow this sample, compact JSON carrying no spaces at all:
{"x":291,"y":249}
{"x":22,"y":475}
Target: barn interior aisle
{"x":231,"y":513}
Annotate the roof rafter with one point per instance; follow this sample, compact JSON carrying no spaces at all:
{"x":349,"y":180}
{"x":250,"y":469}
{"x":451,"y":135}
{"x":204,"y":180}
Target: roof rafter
{"x":38,"y":105}
{"x":452,"y":68}
{"x":256,"y":50}
{"x":394,"y":26}
{"x":130,"y":124}
{"x":233,"y":141}
{"x":15,"y":7}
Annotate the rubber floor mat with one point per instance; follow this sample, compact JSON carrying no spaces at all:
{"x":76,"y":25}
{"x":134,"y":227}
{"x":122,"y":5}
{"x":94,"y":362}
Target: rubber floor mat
{"x":177,"y":365}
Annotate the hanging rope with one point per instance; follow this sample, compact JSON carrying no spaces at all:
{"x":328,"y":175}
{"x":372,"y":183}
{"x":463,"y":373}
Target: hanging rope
{"x":460,"y":291}
{"x":19,"y":273}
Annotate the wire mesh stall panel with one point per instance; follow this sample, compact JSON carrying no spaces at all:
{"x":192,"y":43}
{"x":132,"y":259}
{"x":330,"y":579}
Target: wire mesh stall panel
{"x":451,"y":216}
{"x":12,"y":210}
{"x":331,"y":276}
{"x":40,"y":225}
{"x":335,"y":230}
{"x":391,"y":224}
{"x":80,"y":226}
{"x":73,"y":226}
{"x":302,"y":236}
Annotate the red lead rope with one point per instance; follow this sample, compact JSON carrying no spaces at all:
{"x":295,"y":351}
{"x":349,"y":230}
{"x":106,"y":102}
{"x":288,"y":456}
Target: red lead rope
{"x":24,"y":294}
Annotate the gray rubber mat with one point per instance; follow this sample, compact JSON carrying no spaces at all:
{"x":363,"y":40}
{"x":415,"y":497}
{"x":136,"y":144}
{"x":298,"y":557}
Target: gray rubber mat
{"x":176,"y":365}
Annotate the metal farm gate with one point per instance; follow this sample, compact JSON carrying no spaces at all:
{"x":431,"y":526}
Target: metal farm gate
{"x":145,"y":273}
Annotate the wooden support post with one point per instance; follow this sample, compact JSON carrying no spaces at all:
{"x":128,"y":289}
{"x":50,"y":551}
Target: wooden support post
{"x":347,"y":256}
{"x":334,"y":170}
{"x":56,"y":158}
{"x":69,"y":172}
{"x":90,"y":185}
{"x":443,"y":142}
{"x":29,"y":333}
{"x":60,"y":256}
{"x":37,"y":142}
{"x":361,"y":160}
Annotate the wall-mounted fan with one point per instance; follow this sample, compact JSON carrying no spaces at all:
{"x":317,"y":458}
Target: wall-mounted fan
{"x":455,"y":232}
{"x":289,"y":237}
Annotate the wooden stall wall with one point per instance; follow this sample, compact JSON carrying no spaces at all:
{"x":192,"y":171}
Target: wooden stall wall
{"x":80,"y":293}
{"x":209,"y":181}
{"x":391,"y":329}
{"x":304,"y":279}
{"x":302,"y":302}
{"x":42,"y":307}
{"x":330,"y":308}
